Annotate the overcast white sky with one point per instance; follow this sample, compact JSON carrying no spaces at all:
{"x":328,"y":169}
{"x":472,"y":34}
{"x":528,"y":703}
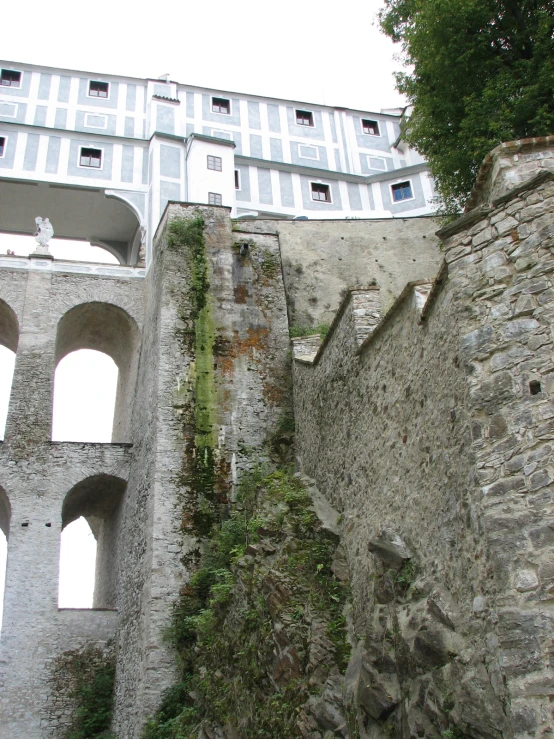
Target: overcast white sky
{"x":331,"y":53}
{"x":326,"y":52}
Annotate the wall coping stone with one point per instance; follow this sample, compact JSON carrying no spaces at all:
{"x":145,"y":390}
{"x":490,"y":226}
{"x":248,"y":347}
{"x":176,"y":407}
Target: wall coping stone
{"x":410,"y":289}
{"x":519,"y":146}
{"x":407,"y":292}
{"x":463,"y":222}
{"x":336,"y":320}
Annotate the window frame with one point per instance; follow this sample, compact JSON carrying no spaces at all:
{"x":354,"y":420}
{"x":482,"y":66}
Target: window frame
{"x":216,"y":159}
{"x":218,"y":105}
{"x":4,"y":146}
{"x":215,"y":196}
{"x":402,"y":200}
{"x":321,"y":184}
{"x":11,"y":71}
{"x":308,"y":113}
{"x":98,"y":97}
{"x":368,"y":133}
{"x":90,"y":166}
{"x":238,"y":180}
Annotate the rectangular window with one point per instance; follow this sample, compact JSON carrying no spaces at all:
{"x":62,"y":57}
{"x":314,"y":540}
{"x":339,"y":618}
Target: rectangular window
{"x":308,"y":152}
{"x":10,"y":78}
{"x":304,"y":118}
{"x":321,"y":192}
{"x":90,"y":157}
{"x":221,"y":105}
{"x":402,"y":191}
{"x":371,"y":128}
{"x":214,"y":163}
{"x":214,"y":198}
{"x":98,"y":89}
{"x":237,"y":179}
{"x":2,"y":145}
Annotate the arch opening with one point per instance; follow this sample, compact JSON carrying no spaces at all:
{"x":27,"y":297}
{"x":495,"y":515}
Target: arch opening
{"x":76,"y":213}
{"x":5,"y":515}
{"x":91,"y":532}
{"x":105,"y":328}
{"x":9,"y":339}
{"x":85,"y":386}
{"x":72,"y":250}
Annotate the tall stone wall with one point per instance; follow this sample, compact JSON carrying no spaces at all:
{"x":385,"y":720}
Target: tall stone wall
{"x":323,"y":259}
{"x":236,"y":375}
{"x":434,"y":440}
{"x":37,"y":475}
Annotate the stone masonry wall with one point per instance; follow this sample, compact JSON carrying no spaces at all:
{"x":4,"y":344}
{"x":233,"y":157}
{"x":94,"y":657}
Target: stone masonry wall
{"x":434,"y":440}
{"x":247,"y":330}
{"x":323,"y":259}
{"x":37,"y":474}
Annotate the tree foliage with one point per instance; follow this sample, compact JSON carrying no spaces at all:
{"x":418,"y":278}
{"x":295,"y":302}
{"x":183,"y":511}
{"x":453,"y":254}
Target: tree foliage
{"x":482,"y":73}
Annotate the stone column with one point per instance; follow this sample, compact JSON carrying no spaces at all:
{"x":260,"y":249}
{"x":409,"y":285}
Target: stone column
{"x":30,"y":412}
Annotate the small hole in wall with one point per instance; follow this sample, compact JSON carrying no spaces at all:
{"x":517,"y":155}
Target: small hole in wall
{"x":48,"y":525}
{"x":535,"y":387}
{"x":25,"y":524}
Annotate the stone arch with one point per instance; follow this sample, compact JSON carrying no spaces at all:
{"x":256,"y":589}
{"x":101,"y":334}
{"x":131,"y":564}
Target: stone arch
{"x":109,"y":329}
{"x":99,"y":500}
{"x":9,"y":327}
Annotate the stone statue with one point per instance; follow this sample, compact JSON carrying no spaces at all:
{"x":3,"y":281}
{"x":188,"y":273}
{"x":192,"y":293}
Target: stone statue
{"x":44,"y":231}
{"x":43,"y":235}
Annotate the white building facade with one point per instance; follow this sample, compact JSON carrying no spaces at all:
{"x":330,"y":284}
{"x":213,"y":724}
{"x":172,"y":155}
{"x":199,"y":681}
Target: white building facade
{"x":101,"y":156}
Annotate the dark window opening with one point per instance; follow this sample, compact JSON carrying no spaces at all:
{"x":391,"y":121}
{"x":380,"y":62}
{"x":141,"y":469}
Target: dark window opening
{"x":2,"y":146}
{"x":321,"y":192}
{"x":370,"y":127}
{"x":98,"y":89}
{"x":402,"y":191}
{"x":221,"y":105}
{"x":10,"y":78}
{"x":237,"y":180}
{"x":214,"y":198}
{"x":535,"y":387}
{"x":90,"y":158}
{"x":214,"y":163}
{"x":304,"y":118}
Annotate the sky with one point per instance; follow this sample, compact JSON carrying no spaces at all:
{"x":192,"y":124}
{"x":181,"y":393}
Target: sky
{"x":330,"y":53}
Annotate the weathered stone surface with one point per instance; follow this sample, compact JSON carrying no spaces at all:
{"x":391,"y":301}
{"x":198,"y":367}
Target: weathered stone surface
{"x":389,"y":548}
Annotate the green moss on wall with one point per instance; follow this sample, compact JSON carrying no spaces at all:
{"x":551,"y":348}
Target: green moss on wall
{"x":187,"y":236}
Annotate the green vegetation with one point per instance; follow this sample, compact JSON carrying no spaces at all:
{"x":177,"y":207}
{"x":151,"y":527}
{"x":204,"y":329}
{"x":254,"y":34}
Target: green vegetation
{"x":269,"y":561}
{"x":322,"y":330}
{"x":270,"y":264}
{"x":483,"y":73}
{"x":188,"y":235}
{"x":91,"y":675}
